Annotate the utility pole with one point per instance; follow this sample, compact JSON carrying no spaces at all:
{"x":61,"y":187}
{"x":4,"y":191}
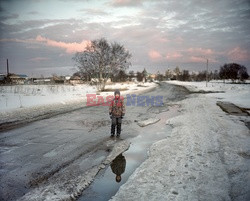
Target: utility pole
{"x":207,"y":73}
{"x":8,"y":68}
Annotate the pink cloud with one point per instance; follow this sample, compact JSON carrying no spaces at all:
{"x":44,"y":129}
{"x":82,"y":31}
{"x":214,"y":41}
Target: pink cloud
{"x":197,"y":59}
{"x":154,"y":55}
{"x":39,"y":59}
{"x":69,"y":47}
{"x":200,"y":51}
{"x":200,"y":55}
{"x":173,"y":56}
{"x":238,"y":54}
{"x":196,"y":55}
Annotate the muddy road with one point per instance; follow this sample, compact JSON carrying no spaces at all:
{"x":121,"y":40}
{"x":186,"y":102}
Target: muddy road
{"x":46,"y":151}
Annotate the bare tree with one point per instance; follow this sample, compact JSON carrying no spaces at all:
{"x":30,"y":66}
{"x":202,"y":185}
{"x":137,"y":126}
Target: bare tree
{"x":168,"y":74}
{"x":121,"y":76}
{"x":139,"y":76}
{"x":177,"y":72}
{"x":184,"y":75}
{"x":159,"y":76}
{"x":100,"y":60}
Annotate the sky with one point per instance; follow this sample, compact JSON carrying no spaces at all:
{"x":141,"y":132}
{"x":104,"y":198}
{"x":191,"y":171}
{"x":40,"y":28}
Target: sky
{"x":40,"y":37}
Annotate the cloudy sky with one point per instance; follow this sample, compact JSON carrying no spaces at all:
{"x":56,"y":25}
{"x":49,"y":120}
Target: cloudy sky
{"x":40,"y":37}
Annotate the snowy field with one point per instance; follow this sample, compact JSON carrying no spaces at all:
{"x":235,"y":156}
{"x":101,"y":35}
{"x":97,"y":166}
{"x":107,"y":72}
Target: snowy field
{"x":238,"y":94}
{"x":24,"y":96}
{"x":22,"y":103}
{"x":205,"y":158}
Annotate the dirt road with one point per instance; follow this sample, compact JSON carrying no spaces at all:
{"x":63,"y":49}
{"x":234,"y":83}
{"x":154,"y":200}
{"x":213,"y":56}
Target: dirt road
{"x":45,"y":151}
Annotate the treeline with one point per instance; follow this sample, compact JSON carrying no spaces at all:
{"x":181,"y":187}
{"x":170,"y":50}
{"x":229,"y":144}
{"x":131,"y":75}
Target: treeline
{"x":231,"y":71}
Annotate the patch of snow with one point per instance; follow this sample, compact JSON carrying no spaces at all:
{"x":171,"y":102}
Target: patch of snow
{"x":238,"y":94}
{"x":147,"y":122}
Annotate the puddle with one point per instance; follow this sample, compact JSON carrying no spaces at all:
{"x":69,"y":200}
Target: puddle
{"x":105,"y":185}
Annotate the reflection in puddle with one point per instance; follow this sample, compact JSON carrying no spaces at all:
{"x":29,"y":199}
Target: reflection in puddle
{"x":109,"y":180}
{"x":118,"y":166}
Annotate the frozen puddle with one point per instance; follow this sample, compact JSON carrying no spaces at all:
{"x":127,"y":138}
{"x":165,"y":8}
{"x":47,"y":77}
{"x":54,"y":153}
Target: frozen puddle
{"x":105,"y":185}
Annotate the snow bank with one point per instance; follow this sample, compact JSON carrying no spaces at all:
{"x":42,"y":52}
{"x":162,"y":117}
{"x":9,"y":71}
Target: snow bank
{"x":24,"y":96}
{"x":201,"y":160}
{"x":239,"y":94}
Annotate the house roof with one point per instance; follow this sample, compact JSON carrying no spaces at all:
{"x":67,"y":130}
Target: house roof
{"x":22,"y":75}
{"x":14,"y":76}
{"x":18,"y":76}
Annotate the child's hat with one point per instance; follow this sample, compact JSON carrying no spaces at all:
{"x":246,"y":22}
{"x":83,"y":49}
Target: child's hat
{"x":117,"y":92}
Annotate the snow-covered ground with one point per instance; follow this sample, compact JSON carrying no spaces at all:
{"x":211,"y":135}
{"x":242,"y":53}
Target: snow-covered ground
{"x":205,"y":158}
{"x":19,"y":102}
{"x":239,"y":94}
{"x":24,"y":96}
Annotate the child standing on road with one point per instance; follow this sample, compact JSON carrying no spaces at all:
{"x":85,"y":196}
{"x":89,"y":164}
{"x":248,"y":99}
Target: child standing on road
{"x":116,"y":112}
